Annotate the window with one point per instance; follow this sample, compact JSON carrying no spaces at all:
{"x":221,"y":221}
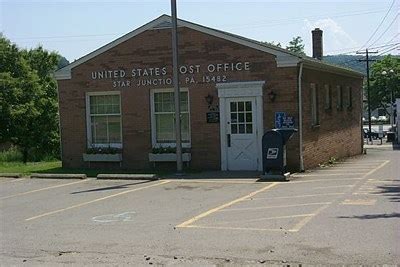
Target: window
{"x":241,"y":117}
{"x":314,"y":105}
{"x":104,"y":119}
{"x":328,"y":97}
{"x":349,"y":97}
{"x":339,"y":100}
{"x":163,"y":118}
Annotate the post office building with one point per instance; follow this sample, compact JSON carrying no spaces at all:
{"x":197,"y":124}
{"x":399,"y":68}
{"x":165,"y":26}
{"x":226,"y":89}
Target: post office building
{"x":117,"y":103}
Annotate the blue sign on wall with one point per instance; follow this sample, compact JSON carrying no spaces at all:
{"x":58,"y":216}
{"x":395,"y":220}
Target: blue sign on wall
{"x":279,"y":118}
{"x":283,"y":121}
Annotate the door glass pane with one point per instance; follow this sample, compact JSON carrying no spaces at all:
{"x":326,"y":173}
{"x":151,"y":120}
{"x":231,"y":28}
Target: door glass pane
{"x":233,"y":117}
{"x":241,"y":128}
{"x":249,"y":128}
{"x":241,"y":117}
{"x":248,"y":106}
{"x":240,"y":106}
{"x":249,"y":117}
{"x":234,"y":128}
{"x":233,"y":106}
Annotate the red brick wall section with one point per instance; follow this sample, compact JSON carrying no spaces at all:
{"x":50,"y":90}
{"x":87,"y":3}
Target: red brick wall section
{"x":152,"y":49}
{"x":339,"y":132}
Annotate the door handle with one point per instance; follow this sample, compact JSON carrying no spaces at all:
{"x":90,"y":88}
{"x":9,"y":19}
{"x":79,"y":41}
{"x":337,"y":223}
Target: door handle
{"x":228,"y":138}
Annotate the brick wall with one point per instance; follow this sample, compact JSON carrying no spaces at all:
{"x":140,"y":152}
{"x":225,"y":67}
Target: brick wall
{"x":339,"y":132}
{"x":153,"y":49}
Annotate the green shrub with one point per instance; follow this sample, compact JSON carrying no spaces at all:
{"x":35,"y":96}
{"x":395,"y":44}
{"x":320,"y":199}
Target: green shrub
{"x":12,"y":154}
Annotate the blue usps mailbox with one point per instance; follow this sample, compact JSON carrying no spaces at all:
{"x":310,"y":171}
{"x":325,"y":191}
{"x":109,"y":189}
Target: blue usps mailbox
{"x":274,"y":151}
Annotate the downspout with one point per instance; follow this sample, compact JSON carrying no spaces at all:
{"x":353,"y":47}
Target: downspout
{"x":300,"y":117}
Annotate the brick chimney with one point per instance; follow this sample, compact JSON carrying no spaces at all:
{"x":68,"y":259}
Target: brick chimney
{"x":317,"y":43}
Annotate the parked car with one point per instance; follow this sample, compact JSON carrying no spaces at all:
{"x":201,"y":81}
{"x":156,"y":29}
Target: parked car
{"x":374,"y":134}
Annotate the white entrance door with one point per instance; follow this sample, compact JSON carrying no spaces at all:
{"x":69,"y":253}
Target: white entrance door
{"x":241,"y":125}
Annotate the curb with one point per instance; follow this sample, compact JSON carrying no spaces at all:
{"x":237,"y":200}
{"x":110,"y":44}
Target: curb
{"x":10,"y":175}
{"x":151,"y":177}
{"x":58,"y":176}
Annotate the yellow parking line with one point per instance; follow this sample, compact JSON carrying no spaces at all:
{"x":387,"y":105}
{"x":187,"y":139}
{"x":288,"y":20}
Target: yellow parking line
{"x":278,"y":206}
{"x":313,"y":195}
{"x":235,"y":228}
{"x":322,"y":180}
{"x":333,"y":186}
{"x":331,"y":174}
{"x":366,"y":202}
{"x":13,"y":180}
{"x":341,"y":170}
{"x":265,"y":219}
{"x":303,"y":222}
{"x":225,"y":181}
{"x":42,"y":189}
{"x":196,"y":218}
{"x":95,"y":200}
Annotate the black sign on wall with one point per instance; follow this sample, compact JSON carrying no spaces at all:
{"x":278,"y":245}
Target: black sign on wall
{"x":213,"y":117}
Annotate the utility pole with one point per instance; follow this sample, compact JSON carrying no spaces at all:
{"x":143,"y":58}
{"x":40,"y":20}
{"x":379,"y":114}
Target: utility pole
{"x":368,"y":93}
{"x":176,"y":88}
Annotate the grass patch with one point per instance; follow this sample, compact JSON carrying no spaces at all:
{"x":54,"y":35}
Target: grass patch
{"x":28,"y":168}
{"x":55,"y":167}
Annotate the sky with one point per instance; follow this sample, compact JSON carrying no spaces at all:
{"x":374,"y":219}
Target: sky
{"x":75,"y":28}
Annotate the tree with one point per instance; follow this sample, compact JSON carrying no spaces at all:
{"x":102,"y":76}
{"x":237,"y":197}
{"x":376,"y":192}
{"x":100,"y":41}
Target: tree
{"x":278,"y":44}
{"x":296,"y":46}
{"x":385,"y":77}
{"x":28,"y":100}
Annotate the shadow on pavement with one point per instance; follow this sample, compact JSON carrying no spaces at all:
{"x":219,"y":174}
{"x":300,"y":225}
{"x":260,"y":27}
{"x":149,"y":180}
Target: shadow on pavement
{"x":373,"y":216}
{"x":390,"y":191}
{"x":122,"y":186}
{"x":217,"y":175}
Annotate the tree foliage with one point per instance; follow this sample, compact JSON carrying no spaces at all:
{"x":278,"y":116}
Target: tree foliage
{"x":296,"y":46}
{"x":28,"y":100}
{"x":278,"y":44}
{"x":385,"y":77}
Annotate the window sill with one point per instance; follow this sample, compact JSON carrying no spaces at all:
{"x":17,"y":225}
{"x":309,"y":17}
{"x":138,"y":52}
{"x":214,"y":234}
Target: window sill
{"x":316,"y":126}
{"x":184,"y":145}
{"x":112,"y":145}
{"x":168,"y":157}
{"x":102,"y":157}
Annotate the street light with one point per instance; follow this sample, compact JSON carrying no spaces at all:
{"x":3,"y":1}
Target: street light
{"x":390,"y":72}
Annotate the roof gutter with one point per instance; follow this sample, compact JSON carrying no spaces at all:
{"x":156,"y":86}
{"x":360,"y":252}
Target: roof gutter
{"x":300,"y":98}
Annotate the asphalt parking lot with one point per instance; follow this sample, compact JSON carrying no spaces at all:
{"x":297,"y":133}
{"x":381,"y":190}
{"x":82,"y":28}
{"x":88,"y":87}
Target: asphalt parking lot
{"x":345,"y":214}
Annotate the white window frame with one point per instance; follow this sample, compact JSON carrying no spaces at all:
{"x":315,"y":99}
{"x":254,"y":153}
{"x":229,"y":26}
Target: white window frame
{"x":339,"y":99}
{"x":349,"y":97}
{"x":153,"y":119}
{"x":314,"y":104}
{"x":88,"y":119}
{"x":327,"y":97}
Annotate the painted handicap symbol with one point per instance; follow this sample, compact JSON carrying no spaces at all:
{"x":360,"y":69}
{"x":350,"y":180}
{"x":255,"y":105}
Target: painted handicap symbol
{"x":122,"y":217}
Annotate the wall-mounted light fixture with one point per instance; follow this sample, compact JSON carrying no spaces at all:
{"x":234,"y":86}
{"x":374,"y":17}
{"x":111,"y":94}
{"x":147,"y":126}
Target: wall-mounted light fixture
{"x":272,"y":96}
{"x":209,"y":99}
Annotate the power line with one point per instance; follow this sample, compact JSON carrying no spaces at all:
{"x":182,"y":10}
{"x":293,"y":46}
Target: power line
{"x":394,"y":37}
{"x":252,"y":25}
{"x":380,"y":24}
{"x":347,"y":51}
{"x":395,"y":18}
{"x":388,"y":50}
{"x":296,"y":20}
